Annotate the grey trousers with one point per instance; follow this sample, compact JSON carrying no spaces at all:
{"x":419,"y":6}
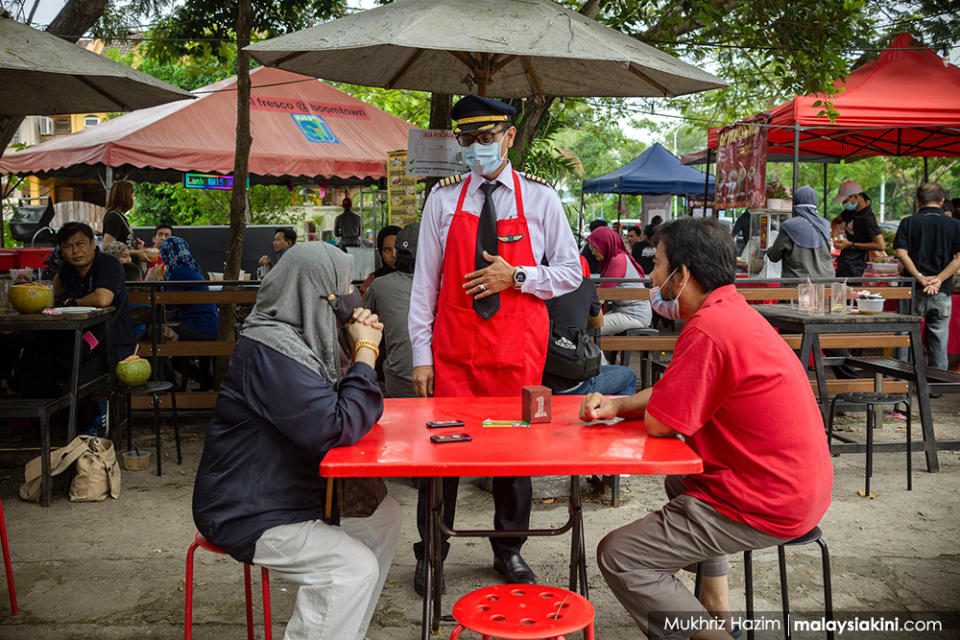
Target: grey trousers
{"x":340,"y":570}
{"x":640,"y":561}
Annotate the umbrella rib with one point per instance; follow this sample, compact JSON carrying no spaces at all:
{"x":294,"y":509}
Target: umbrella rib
{"x":646,"y":78}
{"x":103,"y":93}
{"x":532,"y":76}
{"x":413,"y":58}
{"x":501,"y":64}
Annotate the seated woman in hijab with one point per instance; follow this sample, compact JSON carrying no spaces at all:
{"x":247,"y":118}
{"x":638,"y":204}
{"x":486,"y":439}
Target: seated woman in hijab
{"x":616,"y":262}
{"x":804,"y":241}
{"x":282,"y":405}
{"x":387,"y":248}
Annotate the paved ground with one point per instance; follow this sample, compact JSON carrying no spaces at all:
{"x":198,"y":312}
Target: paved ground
{"x":115,"y":569}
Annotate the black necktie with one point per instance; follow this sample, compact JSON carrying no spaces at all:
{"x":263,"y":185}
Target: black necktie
{"x":486,"y":241}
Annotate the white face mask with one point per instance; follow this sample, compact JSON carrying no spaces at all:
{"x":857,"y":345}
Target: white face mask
{"x":483,"y":158}
{"x":669,"y":309}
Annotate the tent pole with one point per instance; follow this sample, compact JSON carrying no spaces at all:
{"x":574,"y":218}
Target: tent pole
{"x":926,"y":172}
{"x":824,"y":189}
{"x":796,"y":156}
{"x":580,"y":215}
{"x":706,"y":185}
{"x":619,"y":209}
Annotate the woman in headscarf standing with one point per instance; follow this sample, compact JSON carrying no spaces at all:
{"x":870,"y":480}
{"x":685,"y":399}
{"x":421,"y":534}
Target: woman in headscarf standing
{"x":804,"y":241}
{"x":387,"y":248}
{"x":282,"y":405}
{"x":615,"y":262}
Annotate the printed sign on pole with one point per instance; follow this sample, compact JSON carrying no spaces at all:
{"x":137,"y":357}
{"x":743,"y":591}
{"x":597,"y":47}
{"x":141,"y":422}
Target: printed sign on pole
{"x":742,"y":165}
{"x":433,"y":152}
{"x":401,"y":190}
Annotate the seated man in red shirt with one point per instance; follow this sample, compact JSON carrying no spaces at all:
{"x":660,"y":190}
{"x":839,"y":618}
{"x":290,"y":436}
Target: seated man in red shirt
{"x":741,"y":399}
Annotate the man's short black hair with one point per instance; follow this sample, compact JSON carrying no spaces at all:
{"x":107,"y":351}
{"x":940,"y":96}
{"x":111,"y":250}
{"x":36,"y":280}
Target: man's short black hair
{"x":930,"y":193}
{"x":596,"y":224}
{"x":162,"y":225}
{"x":288,"y":234}
{"x":956,"y":204}
{"x":704,"y":246}
{"x":656,"y":220}
{"x":650,"y":230}
{"x":70,"y":229}
{"x":866,"y":197}
{"x":636,"y":229}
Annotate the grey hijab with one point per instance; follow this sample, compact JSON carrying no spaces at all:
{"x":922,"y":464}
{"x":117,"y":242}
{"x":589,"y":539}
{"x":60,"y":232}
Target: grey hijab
{"x":807,"y":229}
{"x":292,"y":315}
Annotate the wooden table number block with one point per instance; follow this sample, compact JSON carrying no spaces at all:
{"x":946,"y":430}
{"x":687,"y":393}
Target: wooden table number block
{"x":536,"y":404}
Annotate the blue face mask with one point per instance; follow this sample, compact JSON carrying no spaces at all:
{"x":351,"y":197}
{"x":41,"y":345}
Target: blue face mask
{"x":669,"y":309}
{"x":850,"y":206}
{"x":483,"y":158}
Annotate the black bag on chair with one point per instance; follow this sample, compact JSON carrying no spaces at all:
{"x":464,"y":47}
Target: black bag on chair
{"x":571,"y":354}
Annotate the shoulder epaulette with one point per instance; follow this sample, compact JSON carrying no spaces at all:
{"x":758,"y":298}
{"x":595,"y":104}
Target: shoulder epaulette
{"x":450,"y":180}
{"x":537,"y":179}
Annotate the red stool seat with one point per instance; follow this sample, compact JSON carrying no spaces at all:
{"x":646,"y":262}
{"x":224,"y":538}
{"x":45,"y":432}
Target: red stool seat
{"x":202,"y":542}
{"x":523,"y":612}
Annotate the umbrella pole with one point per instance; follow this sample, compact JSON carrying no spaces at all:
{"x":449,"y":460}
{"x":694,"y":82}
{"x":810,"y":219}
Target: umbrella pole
{"x":926,"y":172}
{"x":619,"y":209}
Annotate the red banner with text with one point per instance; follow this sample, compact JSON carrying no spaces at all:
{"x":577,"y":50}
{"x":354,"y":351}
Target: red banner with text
{"x":742,"y":165}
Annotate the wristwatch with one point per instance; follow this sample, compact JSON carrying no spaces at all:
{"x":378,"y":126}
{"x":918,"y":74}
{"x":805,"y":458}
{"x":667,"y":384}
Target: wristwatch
{"x":519,"y":277}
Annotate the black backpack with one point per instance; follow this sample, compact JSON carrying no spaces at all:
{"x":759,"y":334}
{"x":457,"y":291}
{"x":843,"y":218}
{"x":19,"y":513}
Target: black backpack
{"x":571,"y":354}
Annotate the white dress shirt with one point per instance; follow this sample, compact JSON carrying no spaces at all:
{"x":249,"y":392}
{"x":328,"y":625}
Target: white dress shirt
{"x":549,"y":231}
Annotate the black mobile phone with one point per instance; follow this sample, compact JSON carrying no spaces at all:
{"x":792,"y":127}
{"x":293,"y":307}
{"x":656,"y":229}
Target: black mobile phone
{"x":440,"y":424}
{"x":450,"y":437}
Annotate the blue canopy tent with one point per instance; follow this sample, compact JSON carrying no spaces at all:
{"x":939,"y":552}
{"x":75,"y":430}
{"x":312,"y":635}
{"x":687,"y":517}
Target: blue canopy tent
{"x":655,"y":171}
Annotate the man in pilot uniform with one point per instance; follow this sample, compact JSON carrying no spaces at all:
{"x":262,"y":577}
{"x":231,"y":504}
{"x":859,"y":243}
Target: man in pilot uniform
{"x":478,"y":325}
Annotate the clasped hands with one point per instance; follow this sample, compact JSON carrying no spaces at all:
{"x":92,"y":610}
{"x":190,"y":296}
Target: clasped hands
{"x":931,"y":284}
{"x":489,"y":280}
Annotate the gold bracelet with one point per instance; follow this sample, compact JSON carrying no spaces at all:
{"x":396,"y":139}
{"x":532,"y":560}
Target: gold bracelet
{"x":369,"y":345}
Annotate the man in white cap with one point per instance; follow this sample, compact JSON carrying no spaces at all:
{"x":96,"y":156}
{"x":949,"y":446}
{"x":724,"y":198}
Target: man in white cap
{"x":861,"y":231}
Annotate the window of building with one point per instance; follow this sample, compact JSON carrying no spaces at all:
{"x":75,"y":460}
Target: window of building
{"x":91,"y":121}
{"x":46,"y":126}
{"x":61,"y":125}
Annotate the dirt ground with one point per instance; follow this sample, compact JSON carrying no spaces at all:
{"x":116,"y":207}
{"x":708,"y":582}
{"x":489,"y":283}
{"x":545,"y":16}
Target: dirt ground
{"x":116,"y":569}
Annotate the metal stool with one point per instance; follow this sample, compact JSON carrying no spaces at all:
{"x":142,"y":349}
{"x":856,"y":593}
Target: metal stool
{"x":523,"y":612}
{"x":200,"y":541}
{"x":154,"y":388}
{"x":7,"y":567}
{"x":870,"y":400}
{"x":814,"y":535}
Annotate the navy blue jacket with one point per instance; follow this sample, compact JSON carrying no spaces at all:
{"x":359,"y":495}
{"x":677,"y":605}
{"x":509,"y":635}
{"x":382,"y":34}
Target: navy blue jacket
{"x":274,"y":421}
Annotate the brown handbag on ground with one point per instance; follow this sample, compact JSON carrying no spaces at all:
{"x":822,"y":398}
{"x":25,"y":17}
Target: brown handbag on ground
{"x":97,"y":471}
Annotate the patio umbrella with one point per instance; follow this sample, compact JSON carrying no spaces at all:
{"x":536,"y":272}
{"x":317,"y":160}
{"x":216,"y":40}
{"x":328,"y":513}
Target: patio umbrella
{"x":43,"y":74}
{"x":504,"y":48}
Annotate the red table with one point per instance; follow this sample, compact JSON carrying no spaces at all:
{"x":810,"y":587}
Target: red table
{"x":399,"y":446}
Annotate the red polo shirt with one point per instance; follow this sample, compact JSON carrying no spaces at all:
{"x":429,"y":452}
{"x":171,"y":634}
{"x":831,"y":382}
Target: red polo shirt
{"x":741,"y":398}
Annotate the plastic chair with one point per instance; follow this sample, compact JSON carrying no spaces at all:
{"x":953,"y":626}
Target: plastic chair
{"x":523,"y":612}
{"x":814,"y":535}
{"x":7,"y":567}
{"x":200,"y":541}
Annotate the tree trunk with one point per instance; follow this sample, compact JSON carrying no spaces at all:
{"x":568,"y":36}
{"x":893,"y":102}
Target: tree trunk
{"x":76,"y":17}
{"x":238,"y":197}
{"x":439,"y":119}
{"x":535,"y":108}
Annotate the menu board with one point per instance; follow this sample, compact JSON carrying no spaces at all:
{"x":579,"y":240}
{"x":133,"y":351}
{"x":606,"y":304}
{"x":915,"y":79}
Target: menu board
{"x":742,"y":166}
{"x":401,"y":190}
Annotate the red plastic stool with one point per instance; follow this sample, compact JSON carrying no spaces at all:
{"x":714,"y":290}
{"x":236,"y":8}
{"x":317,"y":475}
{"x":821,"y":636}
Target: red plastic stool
{"x":523,"y":612}
{"x":7,"y":567}
{"x":264,"y":581}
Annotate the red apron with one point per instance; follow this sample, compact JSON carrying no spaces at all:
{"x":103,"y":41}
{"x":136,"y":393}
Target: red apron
{"x":495,"y":357}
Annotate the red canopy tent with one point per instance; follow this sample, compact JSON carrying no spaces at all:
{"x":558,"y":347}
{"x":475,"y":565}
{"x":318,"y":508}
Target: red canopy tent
{"x":904,"y":103}
{"x":303,"y":131}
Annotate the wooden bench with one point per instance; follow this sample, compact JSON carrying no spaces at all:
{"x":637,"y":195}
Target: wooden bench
{"x":663,"y":343}
{"x":158,"y":299}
